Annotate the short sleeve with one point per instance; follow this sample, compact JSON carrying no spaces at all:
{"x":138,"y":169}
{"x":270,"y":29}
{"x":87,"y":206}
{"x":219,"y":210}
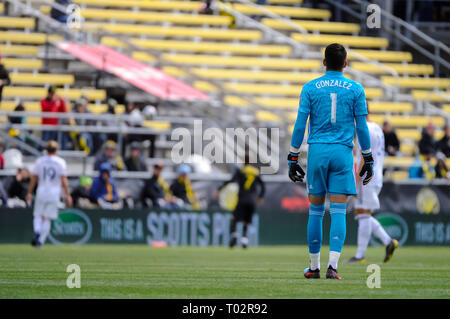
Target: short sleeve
{"x":361,"y":103}
{"x":63,"y":168}
{"x":36,"y":167}
{"x":305,"y":102}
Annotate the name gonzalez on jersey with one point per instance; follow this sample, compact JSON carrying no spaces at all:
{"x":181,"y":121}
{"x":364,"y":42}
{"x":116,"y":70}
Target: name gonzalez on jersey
{"x":339,"y":83}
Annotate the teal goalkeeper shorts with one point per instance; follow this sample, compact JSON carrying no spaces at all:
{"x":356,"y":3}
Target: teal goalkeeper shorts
{"x":330,"y":170}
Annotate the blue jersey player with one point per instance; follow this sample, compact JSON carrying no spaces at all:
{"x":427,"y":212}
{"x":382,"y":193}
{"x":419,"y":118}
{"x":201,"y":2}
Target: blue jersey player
{"x":336,"y":107}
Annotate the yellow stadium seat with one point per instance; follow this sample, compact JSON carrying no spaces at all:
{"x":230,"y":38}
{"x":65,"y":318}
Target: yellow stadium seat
{"x":416,"y":69}
{"x":379,"y":55}
{"x":406,"y":148}
{"x":408,"y":121}
{"x":273,"y":89}
{"x":16,"y":23}
{"x":383,"y":107}
{"x":239,"y":61}
{"x":287,"y":11}
{"x":263,"y":76}
{"x":442,"y":83}
{"x":186,"y":32}
{"x":390,"y":161}
{"x":149,"y":5}
{"x":13,"y":63}
{"x":432,"y":96}
{"x":157,"y":125}
{"x":1,"y":7}
{"x":216,"y":47}
{"x":205,"y":86}
{"x":397,"y":175}
{"x":143,"y":56}
{"x":322,"y":26}
{"x":143,"y":16}
{"x":30,"y":38}
{"x":351,"y":41}
{"x":233,"y":100}
{"x":174,"y":71}
{"x":283,"y":103}
{"x":446,"y":108}
{"x":36,"y":107}
{"x":267,"y":116}
{"x":40,"y":92}
{"x":415,"y":135}
{"x":19,"y":50}
{"x":40,"y":78}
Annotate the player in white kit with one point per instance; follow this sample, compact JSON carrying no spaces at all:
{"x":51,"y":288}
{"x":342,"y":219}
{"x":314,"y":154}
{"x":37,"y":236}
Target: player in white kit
{"x":367,"y":201}
{"x":49,"y":173}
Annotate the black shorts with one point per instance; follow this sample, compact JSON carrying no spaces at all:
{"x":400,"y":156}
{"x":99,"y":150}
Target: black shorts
{"x":244,"y":212}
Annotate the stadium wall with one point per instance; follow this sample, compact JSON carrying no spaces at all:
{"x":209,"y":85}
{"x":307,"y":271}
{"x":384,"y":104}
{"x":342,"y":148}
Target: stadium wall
{"x":207,"y":228}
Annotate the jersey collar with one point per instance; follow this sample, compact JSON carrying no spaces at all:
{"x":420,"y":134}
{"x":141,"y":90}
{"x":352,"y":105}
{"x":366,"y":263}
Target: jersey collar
{"x":334,"y":73}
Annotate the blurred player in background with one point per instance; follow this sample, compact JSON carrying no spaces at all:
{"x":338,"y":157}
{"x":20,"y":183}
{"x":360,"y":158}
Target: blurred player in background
{"x":50,"y":174}
{"x":333,"y":104}
{"x":251,"y":193}
{"x":367,"y":201}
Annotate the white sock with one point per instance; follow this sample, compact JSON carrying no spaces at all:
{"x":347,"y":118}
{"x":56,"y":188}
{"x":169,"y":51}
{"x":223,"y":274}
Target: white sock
{"x":364,"y":232}
{"x":244,"y":241}
{"x":45,"y":230}
{"x":379,"y":231}
{"x":37,"y":222}
{"x":315,"y":261}
{"x":334,"y":259}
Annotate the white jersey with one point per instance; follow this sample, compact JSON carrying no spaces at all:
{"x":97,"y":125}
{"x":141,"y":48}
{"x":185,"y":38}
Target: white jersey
{"x":49,"y":169}
{"x":377,"y":146}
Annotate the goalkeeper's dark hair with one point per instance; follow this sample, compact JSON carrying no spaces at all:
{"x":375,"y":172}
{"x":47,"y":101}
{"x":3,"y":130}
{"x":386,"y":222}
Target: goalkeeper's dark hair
{"x":335,"y":54}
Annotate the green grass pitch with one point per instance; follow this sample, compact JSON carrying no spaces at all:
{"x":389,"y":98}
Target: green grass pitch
{"x":131,"y":271}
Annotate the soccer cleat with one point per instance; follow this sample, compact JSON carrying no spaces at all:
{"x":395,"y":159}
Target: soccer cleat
{"x":233,"y":242}
{"x":332,"y":273}
{"x":354,"y":260}
{"x":311,"y":274}
{"x":35,"y":241}
{"x":390,"y":249}
{"x":244,"y":242}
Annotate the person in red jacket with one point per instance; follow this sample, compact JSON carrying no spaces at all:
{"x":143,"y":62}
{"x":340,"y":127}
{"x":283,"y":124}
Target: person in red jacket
{"x":54,"y":104}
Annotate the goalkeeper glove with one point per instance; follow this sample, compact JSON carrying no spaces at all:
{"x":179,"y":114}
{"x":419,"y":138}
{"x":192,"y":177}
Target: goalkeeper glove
{"x":367,"y":168}
{"x":296,"y":173}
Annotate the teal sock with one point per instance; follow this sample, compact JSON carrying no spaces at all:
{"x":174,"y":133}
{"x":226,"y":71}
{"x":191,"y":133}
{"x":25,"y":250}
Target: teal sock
{"x":314,"y":233}
{"x":338,"y":227}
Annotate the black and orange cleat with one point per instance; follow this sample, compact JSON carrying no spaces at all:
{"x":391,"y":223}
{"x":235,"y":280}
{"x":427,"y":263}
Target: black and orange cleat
{"x":311,"y":274}
{"x":390,"y":250}
{"x":332,"y":273}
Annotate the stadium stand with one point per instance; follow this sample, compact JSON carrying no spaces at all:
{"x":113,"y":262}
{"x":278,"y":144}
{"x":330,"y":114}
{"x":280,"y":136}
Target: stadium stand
{"x":243,"y":66}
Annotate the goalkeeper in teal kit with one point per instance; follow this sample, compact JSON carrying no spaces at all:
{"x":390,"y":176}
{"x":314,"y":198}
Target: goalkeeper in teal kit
{"x":336,"y":107}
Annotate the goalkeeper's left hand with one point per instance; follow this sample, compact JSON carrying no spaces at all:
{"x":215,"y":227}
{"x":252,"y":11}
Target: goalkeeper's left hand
{"x":367,"y":168}
{"x":296,"y":173}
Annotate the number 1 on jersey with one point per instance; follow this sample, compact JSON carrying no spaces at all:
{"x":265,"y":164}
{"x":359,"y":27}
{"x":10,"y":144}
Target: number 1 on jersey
{"x":333,"y":97}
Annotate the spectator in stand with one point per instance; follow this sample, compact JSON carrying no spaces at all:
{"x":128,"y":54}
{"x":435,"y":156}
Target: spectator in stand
{"x":4,"y":78}
{"x":109,"y":155}
{"x":391,"y":143}
{"x":104,"y":190}
{"x":109,"y":121}
{"x":18,"y":187}
{"x":59,"y":15}
{"x":83,"y":140}
{"x":52,"y":104}
{"x":206,"y":8}
{"x":427,"y":145}
{"x":136,"y":118}
{"x":444,"y":142}
{"x":17,"y":119}
{"x":156,"y":192}
{"x":2,"y":160}
{"x":135,"y":162}
{"x":81,"y":194}
{"x":181,"y":188}
{"x":441,"y":167}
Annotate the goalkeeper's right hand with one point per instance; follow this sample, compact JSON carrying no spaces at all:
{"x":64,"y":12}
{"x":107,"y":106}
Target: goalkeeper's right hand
{"x":296,"y":173}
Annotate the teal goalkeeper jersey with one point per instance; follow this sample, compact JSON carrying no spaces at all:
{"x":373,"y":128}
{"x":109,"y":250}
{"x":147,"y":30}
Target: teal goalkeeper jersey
{"x":332,"y":102}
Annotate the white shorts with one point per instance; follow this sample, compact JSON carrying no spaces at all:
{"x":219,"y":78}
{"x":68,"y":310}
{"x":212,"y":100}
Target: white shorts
{"x":46,"y":209}
{"x":367,"y":197}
